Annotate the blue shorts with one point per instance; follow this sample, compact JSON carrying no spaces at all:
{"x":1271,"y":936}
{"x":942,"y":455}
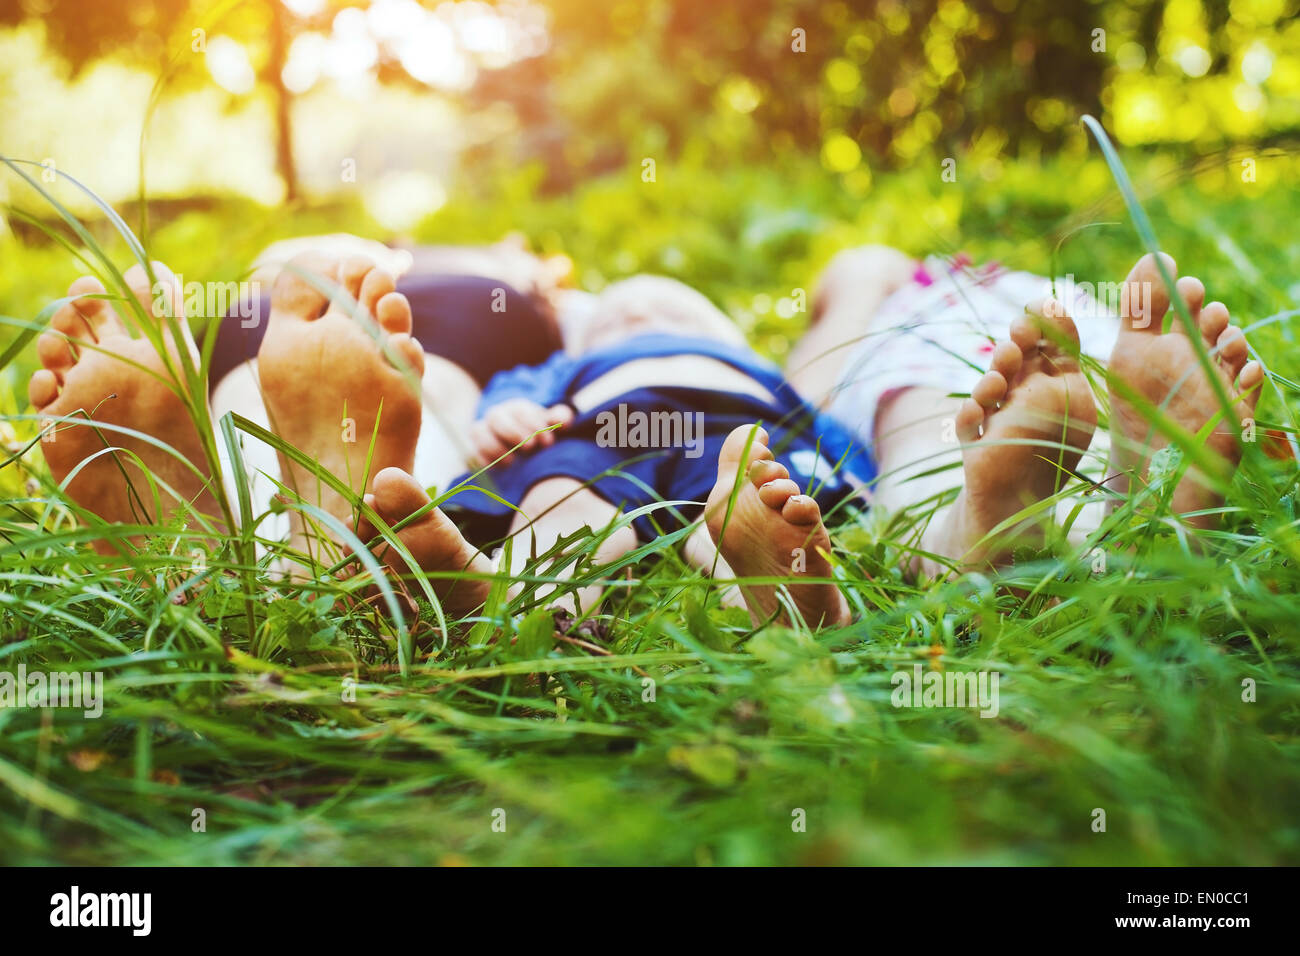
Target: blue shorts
{"x":673,"y":457}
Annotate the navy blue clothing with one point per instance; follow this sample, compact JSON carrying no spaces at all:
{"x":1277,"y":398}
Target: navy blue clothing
{"x":483,"y":325}
{"x":674,"y":455}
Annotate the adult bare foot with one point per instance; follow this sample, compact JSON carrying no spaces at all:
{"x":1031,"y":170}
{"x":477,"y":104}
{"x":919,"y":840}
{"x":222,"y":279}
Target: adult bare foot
{"x":434,"y":542}
{"x":93,"y":367}
{"x":1163,"y":368}
{"x":1023,"y":430}
{"x":329,"y":387}
{"x":771,"y":531}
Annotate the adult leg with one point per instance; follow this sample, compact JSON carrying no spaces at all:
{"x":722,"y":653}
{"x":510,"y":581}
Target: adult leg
{"x":849,"y":293}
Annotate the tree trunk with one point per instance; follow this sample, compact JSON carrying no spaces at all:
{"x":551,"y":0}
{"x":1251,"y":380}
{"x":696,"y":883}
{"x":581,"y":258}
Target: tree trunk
{"x":284,"y":163}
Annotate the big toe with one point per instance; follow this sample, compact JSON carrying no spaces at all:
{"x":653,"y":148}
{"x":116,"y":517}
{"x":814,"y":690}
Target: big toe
{"x":1144,"y":298}
{"x":298,"y":290}
{"x":733,"y":453}
{"x":397,"y":494}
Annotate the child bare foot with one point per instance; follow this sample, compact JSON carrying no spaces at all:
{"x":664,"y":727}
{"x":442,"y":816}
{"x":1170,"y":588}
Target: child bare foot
{"x":772,"y":531}
{"x":1023,"y":430}
{"x":434,"y":542}
{"x":1156,"y":363}
{"x":327,"y":383}
{"x":92,"y":365}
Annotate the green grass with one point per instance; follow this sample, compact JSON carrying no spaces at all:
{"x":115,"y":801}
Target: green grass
{"x":1120,"y":690}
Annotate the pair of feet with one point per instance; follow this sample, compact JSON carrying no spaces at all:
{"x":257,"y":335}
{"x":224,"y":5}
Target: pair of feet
{"x":340,"y":379}
{"x":1023,"y":430}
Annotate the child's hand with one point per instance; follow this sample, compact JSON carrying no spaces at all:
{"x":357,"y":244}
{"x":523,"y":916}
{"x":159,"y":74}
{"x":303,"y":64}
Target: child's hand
{"x":515,"y":422}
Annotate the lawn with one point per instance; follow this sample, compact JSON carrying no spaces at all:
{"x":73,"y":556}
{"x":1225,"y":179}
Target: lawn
{"x":248,"y":721}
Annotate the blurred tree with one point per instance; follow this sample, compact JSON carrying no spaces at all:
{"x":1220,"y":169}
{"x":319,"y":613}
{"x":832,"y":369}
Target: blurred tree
{"x":875,"y":69}
{"x":886,"y":81}
{"x":169,"y":37}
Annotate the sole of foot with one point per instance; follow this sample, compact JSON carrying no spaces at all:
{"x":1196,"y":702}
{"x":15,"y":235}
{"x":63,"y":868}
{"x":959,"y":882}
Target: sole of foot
{"x":433,"y":540}
{"x":1023,"y":430}
{"x":772,"y":531}
{"x":1164,"y":369}
{"x":93,"y":367}
{"x":330,"y":387}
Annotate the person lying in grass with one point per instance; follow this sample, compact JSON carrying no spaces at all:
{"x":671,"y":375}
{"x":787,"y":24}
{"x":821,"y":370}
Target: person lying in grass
{"x":936,"y":365}
{"x":318,"y":365}
{"x":477,"y":310}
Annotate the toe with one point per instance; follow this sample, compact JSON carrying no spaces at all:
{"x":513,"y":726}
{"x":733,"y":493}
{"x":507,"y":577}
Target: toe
{"x":1214,"y":319}
{"x":1192,"y":291}
{"x":409,"y":350}
{"x":70,"y":323}
{"x":1144,"y":298}
{"x":1007,"y":359}
{"x":1248,"y":384}
{"x":1026,"y":335}
{"x":969,"y":419}
{"x":55,"y":352}
{"x":352,"y":273}
{"x":364,"y":529}
{"x":765,"y":470}
{"x":989,"y":390}
{"x":160,"y":298}
{"x":733,"y":449}
{"x":376,"y":284}
{"x":1232,"y":349}
{"x":42,"y":388}
{"x":776,"y":493}
{"x":88,"y":317}
{"x":1056,"y":330}
{"x":397,"y":495}
{"x":801,"y":510}
{"x":393,"y":313}
{"x":295,"y":293}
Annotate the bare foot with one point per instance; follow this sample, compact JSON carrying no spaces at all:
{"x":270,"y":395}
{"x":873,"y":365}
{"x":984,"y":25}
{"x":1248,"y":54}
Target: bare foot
{"x":330,"y":390}
{"x":434,"y":542}
{"x":1156,"y":363}
{"x":1023,"y":430}
{"x":772,"y":531}
{"x":92,"y":365}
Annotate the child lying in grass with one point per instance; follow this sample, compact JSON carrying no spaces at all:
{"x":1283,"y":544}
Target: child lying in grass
{"x":651,"y":347}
